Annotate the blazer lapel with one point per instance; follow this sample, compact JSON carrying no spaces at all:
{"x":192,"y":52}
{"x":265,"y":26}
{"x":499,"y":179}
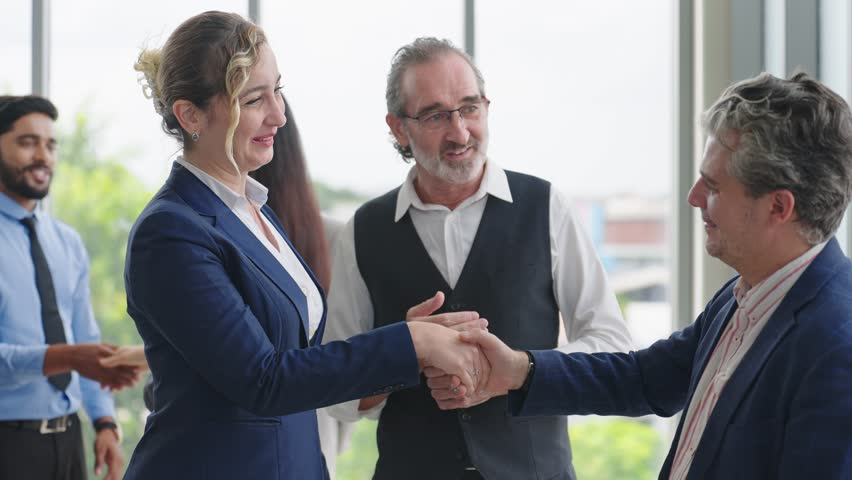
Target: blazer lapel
{"x":710,"y":339}
{"x":206,"y":203}
{"x":708,"y":342}
{"x":779,"y":324}
{"x":270,"y":215}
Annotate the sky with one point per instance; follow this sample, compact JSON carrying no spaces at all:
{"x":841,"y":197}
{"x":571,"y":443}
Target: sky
{"x":582,"y":91}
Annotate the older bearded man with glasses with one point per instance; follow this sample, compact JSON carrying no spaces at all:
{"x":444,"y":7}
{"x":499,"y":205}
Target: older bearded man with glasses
{"x":504,"y":244}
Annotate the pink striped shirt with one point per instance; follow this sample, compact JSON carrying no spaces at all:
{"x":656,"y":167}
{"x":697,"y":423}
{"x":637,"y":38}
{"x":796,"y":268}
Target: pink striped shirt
{"x":756,"y":306}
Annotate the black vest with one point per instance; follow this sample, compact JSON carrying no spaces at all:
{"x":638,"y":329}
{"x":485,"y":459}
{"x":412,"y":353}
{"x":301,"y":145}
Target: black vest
{"x":507,"y":279}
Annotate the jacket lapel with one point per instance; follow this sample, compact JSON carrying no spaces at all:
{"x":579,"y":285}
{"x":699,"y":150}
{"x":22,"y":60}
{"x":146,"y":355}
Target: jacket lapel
{"x":710,"y":338}
{"x":779,"y":324}
{"x":207,"y":204}
{"x":270,"y":215}
{"x":708,"y":342}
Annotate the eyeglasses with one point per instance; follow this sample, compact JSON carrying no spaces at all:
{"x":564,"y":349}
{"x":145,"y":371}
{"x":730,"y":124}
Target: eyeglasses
{"x":472,"y":112}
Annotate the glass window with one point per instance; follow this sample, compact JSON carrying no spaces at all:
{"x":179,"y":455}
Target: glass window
{"x":334,"y":59}
{"x":835,"y":67}
{"x":15,"y":49}
{"x":583,"y":95}
{"x":113,"y":154}
{"x":92,"y":77}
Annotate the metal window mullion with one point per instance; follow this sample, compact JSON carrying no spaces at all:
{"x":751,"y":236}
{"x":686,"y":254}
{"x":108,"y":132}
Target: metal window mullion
{"x":470,"y":28}
{"x":747,"y":38}
{"x":254,"y":11}
{"x":682,"y":267}
{"x":40,"y":47}
{"x":801,"y":30}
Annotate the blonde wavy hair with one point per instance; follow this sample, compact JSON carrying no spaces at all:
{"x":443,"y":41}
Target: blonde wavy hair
{"x":208,"y":55}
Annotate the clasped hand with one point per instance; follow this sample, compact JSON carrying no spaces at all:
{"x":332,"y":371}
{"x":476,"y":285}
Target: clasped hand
{"x":507,"y":370}
{"x":86,"y":359}
{"x":464,"y":368}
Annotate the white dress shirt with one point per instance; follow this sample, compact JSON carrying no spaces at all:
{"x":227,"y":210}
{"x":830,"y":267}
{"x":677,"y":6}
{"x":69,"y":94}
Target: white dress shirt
{"x":256,"y":195}
{"x":755,"y":306}
{"x":587,"y":304}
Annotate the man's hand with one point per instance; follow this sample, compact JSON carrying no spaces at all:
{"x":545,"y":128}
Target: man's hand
{"x":107,"y":452}
{"x":129,"y":356}
{"x":508,"y":371}
{"x":509,"y":368}
{"x":441,"y":347}
{"x":450,"y":394}
{"x":458,"y":321}
{"x":85,"y":359}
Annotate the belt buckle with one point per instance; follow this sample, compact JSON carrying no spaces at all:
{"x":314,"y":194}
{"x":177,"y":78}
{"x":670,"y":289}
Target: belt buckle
{"x":60,"y":426}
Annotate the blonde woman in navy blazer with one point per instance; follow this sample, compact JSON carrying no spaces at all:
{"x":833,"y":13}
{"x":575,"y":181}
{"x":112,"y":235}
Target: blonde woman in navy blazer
{"x":225,"y":306}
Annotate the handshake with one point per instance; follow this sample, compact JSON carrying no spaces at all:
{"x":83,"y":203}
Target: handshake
{"x":113,"y":367}
{"x":464,"y":364}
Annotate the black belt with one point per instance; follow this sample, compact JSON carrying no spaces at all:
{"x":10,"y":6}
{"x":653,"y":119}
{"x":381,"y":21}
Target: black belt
{"x":44,"y":425}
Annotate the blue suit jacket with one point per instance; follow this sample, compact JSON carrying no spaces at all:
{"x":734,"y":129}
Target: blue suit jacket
{"x":786,"y":412}
{"x":225,"y":327}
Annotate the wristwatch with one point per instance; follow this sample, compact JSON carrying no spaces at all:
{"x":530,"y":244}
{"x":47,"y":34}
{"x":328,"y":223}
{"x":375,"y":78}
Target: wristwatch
{"x":109,"y":424}
{"x":530,"y":371}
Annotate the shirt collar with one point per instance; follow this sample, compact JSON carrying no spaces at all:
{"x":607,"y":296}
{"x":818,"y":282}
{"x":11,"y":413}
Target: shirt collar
{"x":256,"y":193}
{"x":13,"y":209}
{"x":494,"y":183}
{"x":747,"y":294}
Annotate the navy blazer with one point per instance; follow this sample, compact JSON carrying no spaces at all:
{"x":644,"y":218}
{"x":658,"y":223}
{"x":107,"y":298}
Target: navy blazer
{"x":786,"y":411}
{"x":225,"y":327}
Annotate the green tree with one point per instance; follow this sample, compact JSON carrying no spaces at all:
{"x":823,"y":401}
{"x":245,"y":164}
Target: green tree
{"x":359,"y":462}
{"x":101,"y":199}
{"x":607,"y":449}
{"x":328,"y":197}
{"x":615,"y":449}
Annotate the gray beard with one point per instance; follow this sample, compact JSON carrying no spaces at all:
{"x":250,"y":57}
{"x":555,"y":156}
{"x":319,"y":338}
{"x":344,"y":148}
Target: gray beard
{"x":454,"y":174}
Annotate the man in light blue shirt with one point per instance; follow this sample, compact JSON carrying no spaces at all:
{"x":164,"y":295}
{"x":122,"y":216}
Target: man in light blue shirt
{"x":49,"y":340}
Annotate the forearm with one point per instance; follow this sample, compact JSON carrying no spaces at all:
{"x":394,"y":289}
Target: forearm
{"x":58,"y":359}
{"x":21,"y":363}
{"x":519,"y":370}
{"x":99,"y":403}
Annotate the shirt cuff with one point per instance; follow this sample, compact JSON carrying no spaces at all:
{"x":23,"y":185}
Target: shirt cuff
{"x":373,"y":413}
{"x":348,"y":411}
{"x":99,"y":403}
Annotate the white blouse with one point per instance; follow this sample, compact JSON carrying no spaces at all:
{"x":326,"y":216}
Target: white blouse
{"x":256,"y":194}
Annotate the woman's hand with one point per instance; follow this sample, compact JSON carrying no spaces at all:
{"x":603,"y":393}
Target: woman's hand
{"x":442,"y":348}
{"x":128,"y":356}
